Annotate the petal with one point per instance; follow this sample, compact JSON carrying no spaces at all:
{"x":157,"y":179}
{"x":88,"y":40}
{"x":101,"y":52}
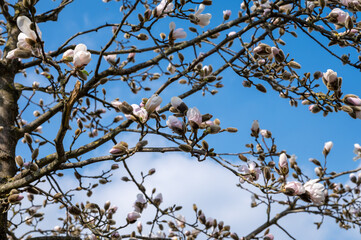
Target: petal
{"x":24,"y":23}
{"x":200,"y":9}
{"x":80,"y":47}
{"x":171,"y":26}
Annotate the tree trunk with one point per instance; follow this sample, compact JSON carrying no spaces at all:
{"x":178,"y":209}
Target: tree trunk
{"x":8,"y":139}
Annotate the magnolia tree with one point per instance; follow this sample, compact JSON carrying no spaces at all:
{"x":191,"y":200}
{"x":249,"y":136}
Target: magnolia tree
{"x":140,"y":53}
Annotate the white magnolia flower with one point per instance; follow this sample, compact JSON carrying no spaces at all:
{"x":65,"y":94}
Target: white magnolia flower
{"x":153,"y":103}
{"x":164,"y":7}
{"x":316,"y":191}
{"x":175,"y":124}
{"x":176,"y":33}
{"x":133,"y":216}
{"x":251,"y":171}
{"x":24,"y":24}
{"x":111,"y":59}
{"x":27,"y":39}
{"x":138,"y":111}
{"x":81,"y":56}
{"x":140,"y":203}
{"x":294,"y":188}
{"x":202,"y":19}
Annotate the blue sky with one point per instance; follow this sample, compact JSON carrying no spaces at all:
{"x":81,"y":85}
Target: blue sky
{"x":296,"y":129}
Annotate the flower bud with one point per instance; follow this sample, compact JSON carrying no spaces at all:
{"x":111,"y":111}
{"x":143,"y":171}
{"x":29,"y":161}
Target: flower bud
{"x":327,"y":148}
{"x":153,"y":102}
{"x":15,"y":198}
{"x":22,"y":53}
{"x":353,"y":178}
{"x":255,"y":128}
{"x":142,"y":37}
{"x":226,"y":14}
{"x":126,"y":108}
{"x":74,"y":210}
{"x":19,"y":161}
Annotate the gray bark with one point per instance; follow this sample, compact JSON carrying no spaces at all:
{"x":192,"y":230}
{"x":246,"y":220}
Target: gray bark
{"x":8,"y":139}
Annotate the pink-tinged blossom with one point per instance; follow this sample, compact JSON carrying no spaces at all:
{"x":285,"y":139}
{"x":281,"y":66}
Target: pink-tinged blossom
{"x":176,"y":33}
{"x":314,"y":108}
{"x":316,"y":191}
{"x":175,"y":124}
{"x":283,"y":164}
{"x":357,"y":151}
{"x":138,"y":111}
{"x":116,"y":103}
{"x":283,"y":160}
{"x":202,"y":19}
{"x":140,"y":203}
{"x":111,"y":59}
{"x":251,"y":171}
{"x":261,"y":61}
{"x":131,"y":56}
{"x":115,"y":235}
{"x":330,"y":76}
{"x":274,"y":51}
{"x":178,"y":104}
{"x":81,"y":56}
{"x":258,"y":49}
{"x":294,"y":188}
{"x":133,"y":216}
{"x":226,"y":14}
{"x":268,"y":236}
{"x":340,"y":15}
{"x":117,"y":150}
{"x":153,"y":103}
{"x":194,"y":116}
{"x":158,"y":199}
{"x":176,"y":101}
{"x":230,"y":34}
{"x":354,"y":101}
{"x":164,"y":7}
{"x":113,"y":209}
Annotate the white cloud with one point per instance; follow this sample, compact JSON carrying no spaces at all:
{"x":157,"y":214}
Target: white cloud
{"x":183,"y":181}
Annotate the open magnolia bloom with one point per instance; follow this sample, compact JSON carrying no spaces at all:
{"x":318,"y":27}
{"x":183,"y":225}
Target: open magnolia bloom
{"x":201,"y":19}
{"x":27,"y":39}
{"x":176,"y":33}
{"x":164,"y":7}
{"x":79,"y":56}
